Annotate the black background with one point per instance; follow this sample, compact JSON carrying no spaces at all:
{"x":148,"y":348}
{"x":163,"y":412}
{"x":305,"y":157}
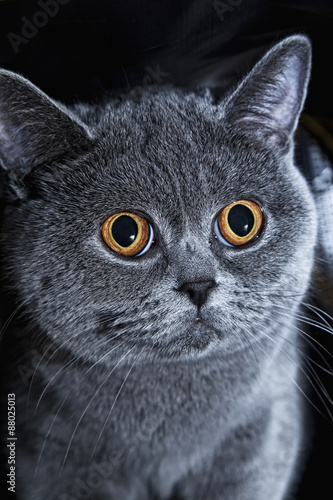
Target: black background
{"x":80,"y":49}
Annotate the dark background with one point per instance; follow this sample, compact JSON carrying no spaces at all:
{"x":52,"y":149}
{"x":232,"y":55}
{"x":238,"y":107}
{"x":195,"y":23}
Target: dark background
{"x":81,"y":48}
{"x":77,"y":49}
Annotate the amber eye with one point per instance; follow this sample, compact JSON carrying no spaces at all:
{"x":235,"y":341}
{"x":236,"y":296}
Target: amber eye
{"x":127,"y":234}
{"x":240,"y":222}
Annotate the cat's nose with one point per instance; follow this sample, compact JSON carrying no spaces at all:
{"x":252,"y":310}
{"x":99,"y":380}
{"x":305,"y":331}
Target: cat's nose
{"x":198,"y":291}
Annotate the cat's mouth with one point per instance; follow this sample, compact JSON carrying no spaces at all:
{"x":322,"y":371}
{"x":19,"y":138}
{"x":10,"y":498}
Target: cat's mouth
{"x":192,"y":333}
{"x":200,"y":333}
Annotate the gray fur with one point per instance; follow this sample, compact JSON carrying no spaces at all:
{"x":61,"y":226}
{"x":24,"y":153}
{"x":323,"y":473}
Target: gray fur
{"x":129,"y":397}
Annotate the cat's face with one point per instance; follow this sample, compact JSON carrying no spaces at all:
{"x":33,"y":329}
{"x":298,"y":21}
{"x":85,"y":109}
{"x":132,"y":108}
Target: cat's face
{"x":175,"y":161}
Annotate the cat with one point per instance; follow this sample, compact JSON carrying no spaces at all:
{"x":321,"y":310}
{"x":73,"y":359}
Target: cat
{"x":156,"y":251}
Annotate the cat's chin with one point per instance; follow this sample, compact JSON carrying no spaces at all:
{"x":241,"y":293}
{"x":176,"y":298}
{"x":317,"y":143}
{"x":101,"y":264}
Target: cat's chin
{"x":195,"y":335}
{"x":198,"y":336}
{"x":192,"y":335}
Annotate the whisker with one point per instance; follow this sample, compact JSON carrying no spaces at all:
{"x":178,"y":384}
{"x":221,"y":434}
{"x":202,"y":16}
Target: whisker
{"x":10,"y":318}
{"x":310,"y":341}
{"x":320,"y":313}
{"x":49,"y":431}
{"x":115,"y":400}
{"x":61,"y":346}
{"x":316,"y":378}
{"x":251,"y":349}
{"x":310,"y":362}
{"x":320,"y":350}
{"x":306,"y":335}
{"x":89,"y":404}
{"x":64,"y":368}
{"x":72,"y":391}
{"x":273,"y":293}
{"x":286,"y":354}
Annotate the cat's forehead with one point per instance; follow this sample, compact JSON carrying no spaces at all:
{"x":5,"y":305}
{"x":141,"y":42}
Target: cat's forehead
{"x":172,"y":147}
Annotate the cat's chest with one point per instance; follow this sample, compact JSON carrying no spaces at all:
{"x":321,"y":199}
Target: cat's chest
{"x":154,"y":422}
{"x":150,"y":411}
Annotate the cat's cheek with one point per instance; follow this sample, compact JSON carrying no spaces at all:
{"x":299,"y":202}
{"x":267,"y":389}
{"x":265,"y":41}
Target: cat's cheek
{"x":123,"y":278}
{"x":241,"y":260}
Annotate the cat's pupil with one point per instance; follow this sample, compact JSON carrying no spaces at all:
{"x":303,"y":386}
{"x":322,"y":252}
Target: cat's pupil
{"x":124,"y":230}
{"x":240,"y":220}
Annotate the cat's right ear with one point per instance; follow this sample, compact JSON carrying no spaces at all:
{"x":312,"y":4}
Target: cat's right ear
{"x":34,"y":130}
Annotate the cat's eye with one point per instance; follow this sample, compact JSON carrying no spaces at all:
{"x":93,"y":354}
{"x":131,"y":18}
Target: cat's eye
{"x":239,"y":223}
{"x":128,"y":234}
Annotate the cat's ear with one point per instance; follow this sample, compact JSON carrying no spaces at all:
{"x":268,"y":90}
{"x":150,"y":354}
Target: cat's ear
{"x":34,"y":129}
{"x":269,"y":100}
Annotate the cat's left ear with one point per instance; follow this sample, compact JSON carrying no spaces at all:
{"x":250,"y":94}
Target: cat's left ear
{"x":34,"y":130}
{"x":269,"y":100}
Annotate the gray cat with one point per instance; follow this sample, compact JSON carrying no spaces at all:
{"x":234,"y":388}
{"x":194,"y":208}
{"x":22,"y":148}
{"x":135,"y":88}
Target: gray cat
{"x":156,"y":252}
